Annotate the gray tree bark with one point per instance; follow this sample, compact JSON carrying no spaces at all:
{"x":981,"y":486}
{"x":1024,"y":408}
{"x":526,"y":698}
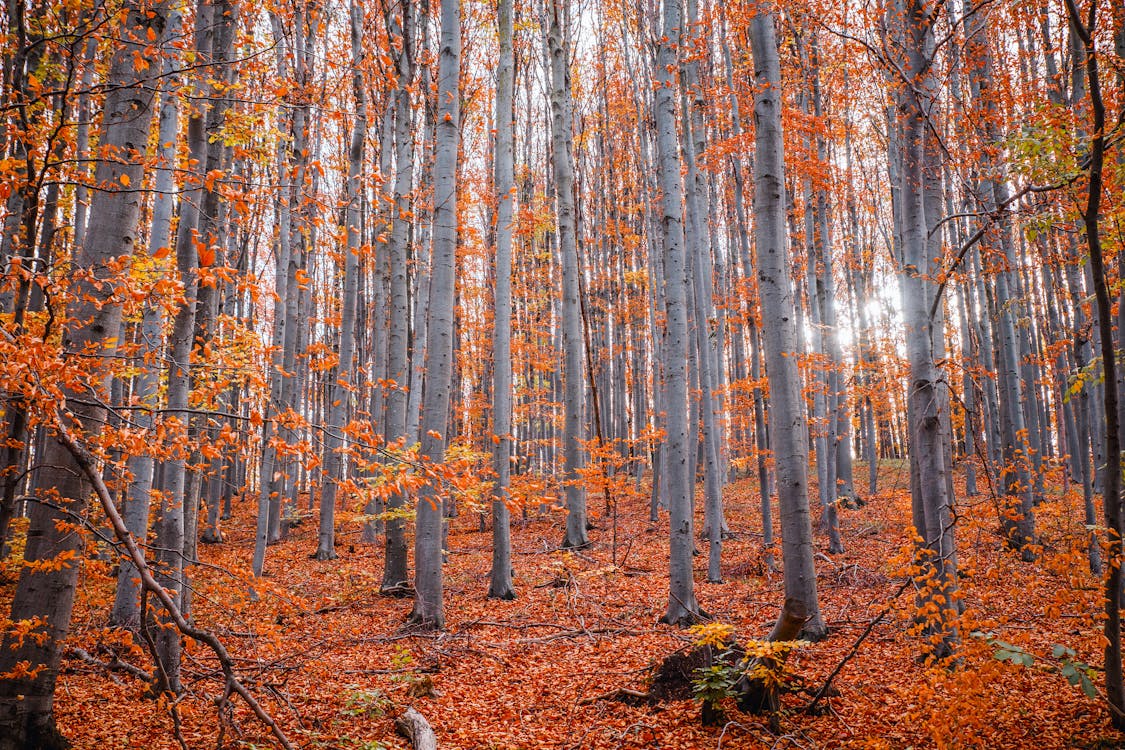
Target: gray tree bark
{"x":500,"y":578}
{"x":395,"y":570}
{"x":126,"y":610}
{"x":428,"y":611}
{"x":574,"y":398}
{"x":341,"y":376}
{"x":27,"y":702}
{"x":788,"y":438}
{"x":700,"y":272}
{"x":928,"y":402}
{"x":675,"y":455}
{"x":1018,"y":519}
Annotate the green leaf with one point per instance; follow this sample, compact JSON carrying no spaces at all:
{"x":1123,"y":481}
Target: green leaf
{"x":1059,"y":651}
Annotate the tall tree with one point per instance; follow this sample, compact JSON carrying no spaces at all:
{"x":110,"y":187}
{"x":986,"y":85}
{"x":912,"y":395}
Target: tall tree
{"x":1086,"y":29}
{"x":127,"y":605}
{"x":395,"y":572}
{"x":788,"y":436}
{"x":928,"y":403}
{"x":574,"y":399}
{"x":428,"y":585}
{"x":675,"y":456}
{"x":340,"y":383}
{"x":45,"y":594}
{"x":500,"y":579}
{"x":1019,"y":519}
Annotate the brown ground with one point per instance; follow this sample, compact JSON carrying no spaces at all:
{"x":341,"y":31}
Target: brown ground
{"x":329,"y":657}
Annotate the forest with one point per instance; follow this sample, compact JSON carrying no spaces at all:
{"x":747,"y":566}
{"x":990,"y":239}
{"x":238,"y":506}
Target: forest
{"x":520,"y":374}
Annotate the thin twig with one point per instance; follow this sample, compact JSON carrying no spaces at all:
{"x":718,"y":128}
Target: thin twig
{"x":855,"y":646}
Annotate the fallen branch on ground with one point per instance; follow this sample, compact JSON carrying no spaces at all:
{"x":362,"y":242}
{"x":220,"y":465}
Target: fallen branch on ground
{"x":114,"y":665}
{"x":414,"y":727}
{"x":855,"y":647}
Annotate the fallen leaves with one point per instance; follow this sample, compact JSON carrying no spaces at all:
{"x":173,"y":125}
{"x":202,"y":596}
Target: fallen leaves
{"x":333,"y":661}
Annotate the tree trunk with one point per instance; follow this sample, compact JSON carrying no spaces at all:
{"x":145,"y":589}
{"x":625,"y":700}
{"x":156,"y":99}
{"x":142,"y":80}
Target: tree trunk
{"x":47,"y":595}
{"x":675,"y":455}
{"x":428,"y":611}
{"x":341,"y":375}
{"x":1114,"y":684}
{"x":928,"y":396}
{"x":500,"y":578}
{"x":788,"y":438}
{"x":126,"y":604}
{"x":1018,"y":520}
{"x":574,"y":382}
{"x":700,"y":272}
{"x":395,"y":570}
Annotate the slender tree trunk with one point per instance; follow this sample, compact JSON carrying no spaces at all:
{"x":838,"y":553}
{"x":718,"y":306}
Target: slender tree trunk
{"x":428,"y":611}
{"x":928,"y":396}
{"x":191,"y":233}
{"x":1018,"y":519}
{"x":500,"y":579}
{"x":1114,"y":684}
{"x":788,"y":438}
{"x":126,"y":604}
{"x":395,"y":571}
{"x":574,"y":382}
{"x":701,"y":293}
{"x":270,"y":464}
{"x":341,"y":375}
{"x":676,"y":458}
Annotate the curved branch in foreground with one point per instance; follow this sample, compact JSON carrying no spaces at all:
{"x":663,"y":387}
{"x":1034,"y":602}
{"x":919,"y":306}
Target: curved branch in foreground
{"x":87,"y":463}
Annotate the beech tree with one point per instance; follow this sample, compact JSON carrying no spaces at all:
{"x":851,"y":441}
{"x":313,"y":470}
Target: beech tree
{"x":917,"y":181}
{"x":428,"y":609}
{"x":788,"y":434}
{"x":675,"y":462}
{"x":341,"y":388}
{"x":45,"y":594}
{"x":396,"y":406}
{"x":410,"y":270}
{"x":500,"y":580}
{"x":573,"y":372}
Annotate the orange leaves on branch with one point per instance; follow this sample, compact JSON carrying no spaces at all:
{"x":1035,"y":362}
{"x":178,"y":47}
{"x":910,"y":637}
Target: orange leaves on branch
{"x":23,"y":670}
{"x":63,"y":559}
{"x":16,"y":631}
{"x":212,"y":177}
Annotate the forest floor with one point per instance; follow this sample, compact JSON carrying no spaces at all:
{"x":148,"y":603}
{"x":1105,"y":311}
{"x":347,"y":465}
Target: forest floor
{"x":330,"y":659}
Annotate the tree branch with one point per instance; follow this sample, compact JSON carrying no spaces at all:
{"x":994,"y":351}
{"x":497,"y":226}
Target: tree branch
{"x":86,"y":462}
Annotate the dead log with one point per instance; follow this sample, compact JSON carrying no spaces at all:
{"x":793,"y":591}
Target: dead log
{"x":414,"y":727}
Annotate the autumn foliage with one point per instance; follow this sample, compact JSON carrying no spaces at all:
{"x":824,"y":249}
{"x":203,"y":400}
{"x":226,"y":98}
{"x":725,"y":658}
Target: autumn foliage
{"x":504,"y":359}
